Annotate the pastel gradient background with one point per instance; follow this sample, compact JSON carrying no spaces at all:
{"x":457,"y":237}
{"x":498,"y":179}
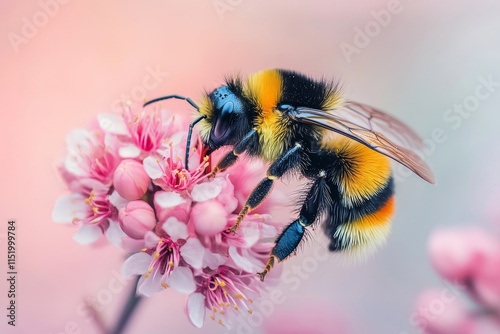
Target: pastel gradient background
{"x":90,"y":54}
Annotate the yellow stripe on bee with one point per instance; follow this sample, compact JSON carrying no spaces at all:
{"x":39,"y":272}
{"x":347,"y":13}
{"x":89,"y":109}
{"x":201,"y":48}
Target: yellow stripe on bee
{"x":363,"y":171}
{"x":369,"y":231}
{"x":265,"y":88}
{"x":206,"y":109}
{"x":333,"y":100}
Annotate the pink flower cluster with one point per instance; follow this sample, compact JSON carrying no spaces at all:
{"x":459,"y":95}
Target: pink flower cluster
{"x":469,"y":258}
{"x":127,"y":182}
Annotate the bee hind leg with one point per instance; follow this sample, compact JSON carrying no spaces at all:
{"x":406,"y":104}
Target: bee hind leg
{"x":314,"y":204}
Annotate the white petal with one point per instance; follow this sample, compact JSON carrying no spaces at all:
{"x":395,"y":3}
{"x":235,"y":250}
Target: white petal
{"x":129,"y":151}
{"x":213,"y":260}
{"x":152,"y":167}
{"x":136,"y":264}
{"x":87,"y":234}
{"x":167,"y":199}
{"x":175,"y":229}
{"x":205,"y":191}
{"x":73,"y":164}
{"x":117,"y":201}
{"x":114,"y":233}
{"x":251,"y":234}
{"x":182,"y":280}
{"x":177,"y":138}
{"x":196,"y":309}
{"x":68,"y":207}
{"x":112,"y":123}
{"x":193,"y":252}
{"x":79,"y":141}
{"x":240,"y":261}
{"x":150,"y":285}
{"x":150,"y":239}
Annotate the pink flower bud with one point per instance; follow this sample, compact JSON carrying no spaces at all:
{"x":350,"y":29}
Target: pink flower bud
{"x":130,"y":179}
{"x":209,"y":217}
{"x":137,"y":218}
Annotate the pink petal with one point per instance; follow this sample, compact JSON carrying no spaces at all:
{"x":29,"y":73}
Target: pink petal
{"x":112,"y":123}
{"x":136,"y":264}
{"x":193,"y":252}
{"x":129,"y":151}
{"x":240,"y":261}
{"x":68,"y":207}
{"x":175,"y":229}
{"x":182,"y":280}
{"x":196,"y":309}
{"x":152,"y":167}
{"x":208,"y":190}
{"x":87,"y":234}
{"x":168,"y":199}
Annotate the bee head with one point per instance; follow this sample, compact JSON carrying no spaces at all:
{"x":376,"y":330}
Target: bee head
{"x":227,"y":118}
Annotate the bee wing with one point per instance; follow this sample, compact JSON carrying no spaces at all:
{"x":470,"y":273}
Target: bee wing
{"x":373,"y":128}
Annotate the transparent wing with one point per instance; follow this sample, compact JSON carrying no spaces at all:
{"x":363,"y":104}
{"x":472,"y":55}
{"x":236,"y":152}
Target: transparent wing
{"x":373,"y":128}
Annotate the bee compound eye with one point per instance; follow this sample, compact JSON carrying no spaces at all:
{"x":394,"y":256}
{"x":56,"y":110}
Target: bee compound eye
{"x":224,"y":120}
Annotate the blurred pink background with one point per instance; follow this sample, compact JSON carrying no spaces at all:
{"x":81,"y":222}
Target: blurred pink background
{"x":86,"y":56}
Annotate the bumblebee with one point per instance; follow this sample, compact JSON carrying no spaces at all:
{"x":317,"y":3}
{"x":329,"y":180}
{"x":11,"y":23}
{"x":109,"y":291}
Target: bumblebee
{"x":307,"y":127}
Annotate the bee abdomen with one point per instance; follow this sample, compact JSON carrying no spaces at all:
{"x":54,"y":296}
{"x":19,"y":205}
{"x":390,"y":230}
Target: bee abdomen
{"x":363,"y":226}
{"x":362,"y":191}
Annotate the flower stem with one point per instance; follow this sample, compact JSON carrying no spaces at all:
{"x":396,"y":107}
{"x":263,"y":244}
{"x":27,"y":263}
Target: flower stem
{"x":128,"y":309}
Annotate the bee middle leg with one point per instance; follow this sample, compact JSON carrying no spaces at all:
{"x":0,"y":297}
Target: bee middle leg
{"x":315,"y":203}
{"x":286,"y":162}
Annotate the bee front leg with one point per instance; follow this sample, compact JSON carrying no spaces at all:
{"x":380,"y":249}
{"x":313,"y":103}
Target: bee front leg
{"x":287,"y":161}
{"x":231,"y":157}
{"x":315,"y":203}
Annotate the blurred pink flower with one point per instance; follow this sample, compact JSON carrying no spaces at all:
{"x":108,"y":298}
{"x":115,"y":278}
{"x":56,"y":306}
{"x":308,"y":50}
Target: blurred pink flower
{"x":130,"y":179}
{"x":470,"y":258}
{"x":442,"y":312}
{"x":137,"y":218}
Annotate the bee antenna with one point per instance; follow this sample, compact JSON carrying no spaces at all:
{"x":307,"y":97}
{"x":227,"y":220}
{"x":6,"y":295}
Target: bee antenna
{"x":188,"y":141}
{"x":191,"y":125}
{"x":178,"y":97}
